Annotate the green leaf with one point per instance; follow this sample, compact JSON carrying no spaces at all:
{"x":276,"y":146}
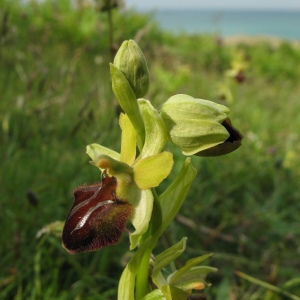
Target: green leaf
{"x":189,"y":264}
{"x":141,"y":217}
{"x":152,"y":170}
{"x":128,"y":142}
{"x":164,"y":259}
{"x":96,"y":150}
{"x":174,"y":196}
{"x":155,"y":131}
{"x":155,"y":295}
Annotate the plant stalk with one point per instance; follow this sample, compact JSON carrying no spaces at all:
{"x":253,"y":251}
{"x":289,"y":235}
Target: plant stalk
{"x":142,"y":282}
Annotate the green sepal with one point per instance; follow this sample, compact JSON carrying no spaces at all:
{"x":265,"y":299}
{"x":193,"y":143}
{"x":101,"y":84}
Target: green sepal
{"x":193,"y":136}
{"x":128,"y":101}
{"x":183,"y":107}
{"x":155,"y":131}
{"x":128,"y":141}
{"x":150,"y":171}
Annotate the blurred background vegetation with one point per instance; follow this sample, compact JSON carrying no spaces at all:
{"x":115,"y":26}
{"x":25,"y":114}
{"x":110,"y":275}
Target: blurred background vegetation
{"x":56,"y":98}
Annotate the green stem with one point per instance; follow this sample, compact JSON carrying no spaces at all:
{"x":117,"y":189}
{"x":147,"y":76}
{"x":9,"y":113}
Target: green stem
{"x":143,"y":275}
{"x":142,"y":282}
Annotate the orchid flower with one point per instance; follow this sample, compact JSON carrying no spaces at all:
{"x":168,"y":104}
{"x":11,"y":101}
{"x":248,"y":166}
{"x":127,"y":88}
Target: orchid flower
{"x":100,"y":211}
{"x":127,"y":192}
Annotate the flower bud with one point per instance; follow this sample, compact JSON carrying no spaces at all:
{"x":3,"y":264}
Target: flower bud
{"x":196,"y":125}
{"x":131,"y":62}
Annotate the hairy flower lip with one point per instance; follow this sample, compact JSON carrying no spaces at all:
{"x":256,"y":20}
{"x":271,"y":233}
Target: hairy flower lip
{"x":97,"y":218}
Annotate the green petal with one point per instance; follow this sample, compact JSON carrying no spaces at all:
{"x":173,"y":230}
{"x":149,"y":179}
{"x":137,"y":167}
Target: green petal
{"x":128,"y":142}
{"x":155,"y":131}
{"x":143,"y":205}
{"x":151,"y":171}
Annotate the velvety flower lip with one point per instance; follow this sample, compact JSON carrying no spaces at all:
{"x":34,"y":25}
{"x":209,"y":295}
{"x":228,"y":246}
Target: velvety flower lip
{"x":97,"y":218}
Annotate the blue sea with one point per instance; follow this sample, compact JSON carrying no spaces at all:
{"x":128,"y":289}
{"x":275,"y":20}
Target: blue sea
{"x":283,"y":24}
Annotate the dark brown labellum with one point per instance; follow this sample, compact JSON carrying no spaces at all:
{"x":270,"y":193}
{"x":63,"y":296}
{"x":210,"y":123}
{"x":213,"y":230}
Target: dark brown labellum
{"x":232,"y":143}
{"x":97,"y":218}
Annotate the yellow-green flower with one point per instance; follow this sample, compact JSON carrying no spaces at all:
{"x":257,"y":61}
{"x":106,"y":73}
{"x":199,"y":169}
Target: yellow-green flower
{"x":196,"y":126}
{"x":137,"y":175}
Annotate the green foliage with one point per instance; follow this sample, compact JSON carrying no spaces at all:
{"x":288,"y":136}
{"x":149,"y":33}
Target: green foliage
{"x":56,"y":98}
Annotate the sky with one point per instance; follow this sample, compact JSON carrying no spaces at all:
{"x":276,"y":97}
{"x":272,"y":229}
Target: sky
{"x":218,"y":4}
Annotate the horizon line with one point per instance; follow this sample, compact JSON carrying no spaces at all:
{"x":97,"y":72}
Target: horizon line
{"x":149,"y":9}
